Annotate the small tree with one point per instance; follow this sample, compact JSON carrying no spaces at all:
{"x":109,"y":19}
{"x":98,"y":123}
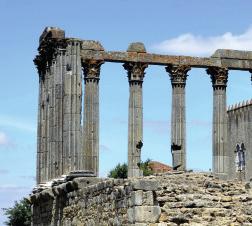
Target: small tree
{"x":121,"y":171}
{"x":144,"y":166}
{"x":19,"y":214}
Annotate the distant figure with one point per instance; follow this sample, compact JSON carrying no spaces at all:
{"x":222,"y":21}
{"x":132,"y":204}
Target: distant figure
{"x":240,"y":157}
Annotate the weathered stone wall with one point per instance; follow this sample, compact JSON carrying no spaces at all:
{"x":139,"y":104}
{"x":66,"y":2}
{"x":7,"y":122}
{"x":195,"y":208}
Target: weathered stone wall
{"x":93,"y":201}
{"x":240,"y":131}
{"x":165,"y":200}
{"x":200,"y":199}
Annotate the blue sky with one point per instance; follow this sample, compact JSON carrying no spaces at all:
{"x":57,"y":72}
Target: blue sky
{"x":174,"y":27}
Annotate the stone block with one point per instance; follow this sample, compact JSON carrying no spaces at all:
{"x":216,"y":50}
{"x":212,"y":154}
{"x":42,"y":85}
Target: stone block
{"x":130,"y":214}
{"x":148,"y":199}
{"x":145,"y":185}
{"x":144,"y":214}
{"x":136,"y":198}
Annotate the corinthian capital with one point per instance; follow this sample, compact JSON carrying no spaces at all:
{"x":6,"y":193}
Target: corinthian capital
{"x":135,"y":71}
{"x":91,"y":69}
{"x":178,"y":74}
{"x":219,"y":77}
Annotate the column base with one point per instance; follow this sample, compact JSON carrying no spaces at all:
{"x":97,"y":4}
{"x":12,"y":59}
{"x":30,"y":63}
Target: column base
{"x":63,"y":179}
{"x":136,"y":173}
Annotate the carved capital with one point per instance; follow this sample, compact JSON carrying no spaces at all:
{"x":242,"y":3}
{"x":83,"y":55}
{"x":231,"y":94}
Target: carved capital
{"x":91,"y":69}
{"x":219,"y":77}
{"x":135,"y":71}
{"x":178,"y":74}
{"x":48,"y":49}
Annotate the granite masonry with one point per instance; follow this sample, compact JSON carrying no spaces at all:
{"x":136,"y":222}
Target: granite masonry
{"x":69,"y":191}
{"x":169,"y":199}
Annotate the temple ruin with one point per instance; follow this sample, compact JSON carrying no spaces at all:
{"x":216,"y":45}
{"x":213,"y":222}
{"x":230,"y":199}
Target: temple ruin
{"x":69,"y":191}
{"x":65,"y":147}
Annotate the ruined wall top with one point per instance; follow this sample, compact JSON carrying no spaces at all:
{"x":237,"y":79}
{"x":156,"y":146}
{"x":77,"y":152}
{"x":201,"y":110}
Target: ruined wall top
{"x":243,"y":104}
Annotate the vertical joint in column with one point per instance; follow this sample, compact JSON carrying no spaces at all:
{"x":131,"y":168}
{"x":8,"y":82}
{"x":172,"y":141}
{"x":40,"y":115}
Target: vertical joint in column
{"x":178,"y":76}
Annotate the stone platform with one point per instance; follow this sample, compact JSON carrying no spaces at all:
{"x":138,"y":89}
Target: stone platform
{"x":169,"y":199}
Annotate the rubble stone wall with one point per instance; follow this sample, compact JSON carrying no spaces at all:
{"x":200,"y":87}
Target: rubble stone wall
{"x":170,"y":199}
{"x":94,"y":201}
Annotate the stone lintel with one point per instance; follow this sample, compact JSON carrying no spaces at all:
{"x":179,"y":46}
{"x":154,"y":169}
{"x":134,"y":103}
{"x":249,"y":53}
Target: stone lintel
{"x":232,"y":54}
{"x":145,"y":185}
{"x":158,"y":59}
{"x":153,"y":59}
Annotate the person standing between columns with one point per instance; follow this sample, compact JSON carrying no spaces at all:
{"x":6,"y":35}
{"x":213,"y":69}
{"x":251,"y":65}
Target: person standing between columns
{"x":91,"y":69}
{"x":178,"y":75}
{"x":219,"y":77}
{"x":136,"y":73}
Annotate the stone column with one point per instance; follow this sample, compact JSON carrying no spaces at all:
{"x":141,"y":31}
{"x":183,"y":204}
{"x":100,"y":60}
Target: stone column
{"x":91,"y":69}
{"x":178,"y":75}
{"x":135,"y":121}
{"x":72,"y":109}
{"x":39,"y":132}
{"x":219,"y":77}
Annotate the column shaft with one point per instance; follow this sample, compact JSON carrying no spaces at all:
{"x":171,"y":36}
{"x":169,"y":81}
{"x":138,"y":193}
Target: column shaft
{"x":91,"y":115}
{"x":39,"y":130}
{"x":178,"y":128}
{"x":219,"y":78}
{"x":46,"y":155}
{"x":72,"y":109}
{"x":135,"y":123}
{"x":178,"y":75}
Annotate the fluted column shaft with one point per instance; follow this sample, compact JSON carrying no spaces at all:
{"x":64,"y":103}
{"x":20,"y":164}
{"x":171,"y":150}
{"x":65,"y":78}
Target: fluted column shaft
{"x":219,"y":77}
{"x":135,"y":120}
{"x":178,"y":75}
{"x":91,"y":115}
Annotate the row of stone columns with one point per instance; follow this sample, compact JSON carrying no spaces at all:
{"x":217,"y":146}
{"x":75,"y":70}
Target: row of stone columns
{"x":178,"y":75}
{"x":64,"y":148}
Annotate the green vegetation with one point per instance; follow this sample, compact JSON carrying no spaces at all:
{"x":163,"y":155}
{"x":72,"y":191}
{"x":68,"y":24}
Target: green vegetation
{"x":144,"y":166}
{"x":19,"y":214}
{"x":121,"y":171}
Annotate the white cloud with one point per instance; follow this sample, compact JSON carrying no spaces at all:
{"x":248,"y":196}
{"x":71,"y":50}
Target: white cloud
{"x":20,"y":124}
{"x":190,"y":44}
{"x":4,"y":140}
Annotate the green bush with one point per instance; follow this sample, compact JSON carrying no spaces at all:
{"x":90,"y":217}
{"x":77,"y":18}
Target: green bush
{"x":121,"y":171}
{"x":19,"y":214}
{"x":144,"y":166}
